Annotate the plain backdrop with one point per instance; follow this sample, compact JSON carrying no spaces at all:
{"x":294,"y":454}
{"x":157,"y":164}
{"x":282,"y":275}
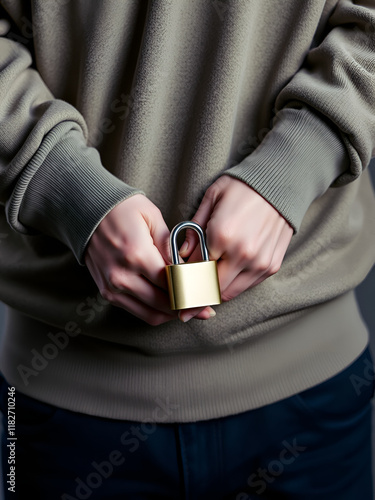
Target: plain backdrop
{"x":366,"y":299}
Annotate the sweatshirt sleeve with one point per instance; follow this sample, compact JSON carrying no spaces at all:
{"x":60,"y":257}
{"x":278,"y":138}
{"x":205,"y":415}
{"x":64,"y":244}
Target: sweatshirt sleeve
{"x":50,"y":180}
{"x":323,"y":134}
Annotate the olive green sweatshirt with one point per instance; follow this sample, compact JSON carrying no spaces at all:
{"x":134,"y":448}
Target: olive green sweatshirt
{"x":102,"y":99}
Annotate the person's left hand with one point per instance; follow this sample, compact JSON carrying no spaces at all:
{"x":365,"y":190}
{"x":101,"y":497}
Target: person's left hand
{"x":244,"y":233}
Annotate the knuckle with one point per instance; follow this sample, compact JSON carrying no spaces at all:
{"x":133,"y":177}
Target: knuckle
{"x":155,"y":211}
{"x":227,"y":296}
{"x":191,"y":235}
{"x":106,"y":294}
{"x":247,"y":253}
{"x":224,"y":236}
{"x":216,"y":189}
{"x":212,"y":191}
{"x":135,"y":257}
{"x":274,"y":268}
{"x":115,"y":282}
{"x":155,"y":320}
{"x":263,"y":264}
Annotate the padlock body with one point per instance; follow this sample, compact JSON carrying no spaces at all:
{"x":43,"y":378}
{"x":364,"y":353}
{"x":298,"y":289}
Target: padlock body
{"x":194,"y":284}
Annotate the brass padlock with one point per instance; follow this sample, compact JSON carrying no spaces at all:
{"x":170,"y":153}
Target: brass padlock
{"x":193,"y":284}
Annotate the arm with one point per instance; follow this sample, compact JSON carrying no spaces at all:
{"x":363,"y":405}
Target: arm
{"x":324,"y":129}
{"x":52,"y":182}
{"x":323,"y":135}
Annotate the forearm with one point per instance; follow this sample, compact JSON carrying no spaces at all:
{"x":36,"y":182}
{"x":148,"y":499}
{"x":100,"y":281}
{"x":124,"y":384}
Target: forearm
{"x":50,"y":181}
{"x":324,"y":129}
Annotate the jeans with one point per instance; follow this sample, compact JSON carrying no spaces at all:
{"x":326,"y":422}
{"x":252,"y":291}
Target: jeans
{"x":313,"y":445}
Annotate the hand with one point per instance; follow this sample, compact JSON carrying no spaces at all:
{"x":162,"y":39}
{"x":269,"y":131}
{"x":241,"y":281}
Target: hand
{"x":126,"y":257}
{"x":244,"y":233}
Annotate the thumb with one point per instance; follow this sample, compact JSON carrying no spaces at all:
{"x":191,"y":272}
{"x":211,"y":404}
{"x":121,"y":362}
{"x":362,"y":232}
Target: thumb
{"x":160,"y":234}
{"x":201,"y":217}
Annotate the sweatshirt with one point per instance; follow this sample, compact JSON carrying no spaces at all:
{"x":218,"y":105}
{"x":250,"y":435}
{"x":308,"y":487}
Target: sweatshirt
{"x":100,"y":100}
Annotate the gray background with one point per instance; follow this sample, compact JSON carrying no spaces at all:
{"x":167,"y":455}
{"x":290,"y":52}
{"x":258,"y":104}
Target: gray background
{"x":365,"y":295}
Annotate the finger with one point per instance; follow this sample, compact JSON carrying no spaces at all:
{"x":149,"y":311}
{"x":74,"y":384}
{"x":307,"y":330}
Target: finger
{"x":196,"y":254}
{"x":141,"y":289}
{"x":142,"y":311}
{"x":197,"y":313}
{"x":143,"y":257}
{"x":154,"y":269}
{"x":201,"y":217}
{"x":254,"y":277}
{"x":160,"y":235}
{"x":227,"y":271}
{"x":256,"y":282}
{"x":240,"y":271}
{"x":242,"y":282}
{"x":207,"y":313}
{"x":154,"y":297}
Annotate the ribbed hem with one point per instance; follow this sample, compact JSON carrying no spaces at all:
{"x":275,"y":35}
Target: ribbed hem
{"x":95,"y":377}
{"x":65,"y":191}
{"x":296,"y":162}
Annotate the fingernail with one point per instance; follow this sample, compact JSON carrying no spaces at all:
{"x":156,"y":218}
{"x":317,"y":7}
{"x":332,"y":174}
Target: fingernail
{"x":212,"y":312}
{"x":184,"y":247}
{"x":185,"y":317}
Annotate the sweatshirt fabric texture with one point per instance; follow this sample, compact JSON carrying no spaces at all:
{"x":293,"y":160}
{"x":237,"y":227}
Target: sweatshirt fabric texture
{"x":100,"y":100}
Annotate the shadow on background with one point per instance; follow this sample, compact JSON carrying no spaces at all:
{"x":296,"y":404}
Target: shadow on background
{"x":365,"y":293}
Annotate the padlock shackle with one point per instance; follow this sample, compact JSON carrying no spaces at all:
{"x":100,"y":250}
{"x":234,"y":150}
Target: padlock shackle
{"x":173,"y":239}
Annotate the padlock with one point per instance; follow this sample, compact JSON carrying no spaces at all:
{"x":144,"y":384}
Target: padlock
{"x":192,"y":284}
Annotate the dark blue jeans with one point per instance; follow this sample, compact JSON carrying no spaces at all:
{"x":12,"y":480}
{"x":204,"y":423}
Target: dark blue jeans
{"x":314,"y":445}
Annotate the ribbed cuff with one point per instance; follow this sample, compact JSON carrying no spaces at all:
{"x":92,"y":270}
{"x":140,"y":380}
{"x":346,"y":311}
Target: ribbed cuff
{"x":297,"y":162}
{"x":65,"y":191}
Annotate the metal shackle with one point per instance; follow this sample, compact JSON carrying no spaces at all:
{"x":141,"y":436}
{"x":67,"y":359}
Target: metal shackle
{"x":192,"y":284}
{"x":173,"y":239}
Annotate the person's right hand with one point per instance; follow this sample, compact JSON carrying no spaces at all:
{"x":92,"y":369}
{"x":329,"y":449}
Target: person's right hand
{"x":126,"y":257}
